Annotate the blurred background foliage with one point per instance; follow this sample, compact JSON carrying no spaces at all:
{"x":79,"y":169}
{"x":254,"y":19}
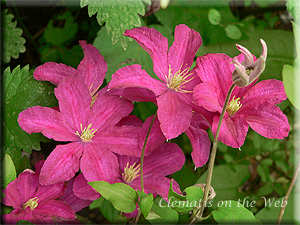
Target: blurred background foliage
{"x":36,"y":33}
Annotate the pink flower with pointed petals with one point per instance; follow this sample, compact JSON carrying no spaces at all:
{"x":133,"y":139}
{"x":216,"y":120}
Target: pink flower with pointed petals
{"x":90,"y":130}
{"x":253,"y":105}
{"x":34,"y":202}
{"x":173,"y":93}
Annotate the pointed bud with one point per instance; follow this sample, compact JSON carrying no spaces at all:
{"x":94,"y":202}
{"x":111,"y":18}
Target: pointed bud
{"x":247,"y":71}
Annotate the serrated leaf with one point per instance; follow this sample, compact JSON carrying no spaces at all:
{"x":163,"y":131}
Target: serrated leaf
{"x":59,"y":35}
{"x":13,"y":43}
{"x":233,"y":212}
{"x":21,"y":91}
{"x":122,"y":196}
{"x":9,"y":171}
{"x":118,"y":15}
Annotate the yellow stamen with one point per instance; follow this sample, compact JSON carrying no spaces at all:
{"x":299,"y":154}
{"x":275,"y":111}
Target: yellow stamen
{"x":130,"y":172}
{"x":32,"y":203}
{"x":93,"y":93}
{"x":248,"y":71}
{"x":87,"y":133}
{"x":233,"y":106}
{"x":177,"y":81}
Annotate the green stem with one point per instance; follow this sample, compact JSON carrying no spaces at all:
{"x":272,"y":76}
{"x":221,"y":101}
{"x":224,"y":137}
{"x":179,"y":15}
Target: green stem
{"x":199,"y":213}
{"x":143,"y":153}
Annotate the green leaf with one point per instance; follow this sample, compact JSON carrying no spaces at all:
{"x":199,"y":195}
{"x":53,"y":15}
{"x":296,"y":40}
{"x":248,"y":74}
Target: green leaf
{"x":162,"y":213}
{"x":59,"y":35}
{"x":24,"y":222}
{"x":9,"y":171}
{"x":289,"y":78}
{"x":224,"y":187}
{"x":13,"y":43}
{"x":122,"y":196}
{"x":233,"y":212}
{"x":118,"y":15}
{"x":21,"y":91}
{"x":233,"y":32}
{"x":120,"y":219}
{"x":145,"y":204}
{"x":214,"y":16}
{"x":106,"y":208}
{"x":293,"y":7}
{"x":269,"y":214}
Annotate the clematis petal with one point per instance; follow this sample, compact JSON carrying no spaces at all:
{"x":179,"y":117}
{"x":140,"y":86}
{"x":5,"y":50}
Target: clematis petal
{"x":123,"y":140}
{"x":74,"y":102}
{"x":92,"y":67}
{"x":200,"y":143}
{"x":233,"y":130}
{"x":136,"y":94}
{"x":271,"y":91}
{"x":62,"y":164}
{"x":207,"y":96}
{"x":50,"y":192}
{"x":173,"y":114}
{"x":47,"y":121}
{"x":134,"y":76}
{"x":186,"y":44}
{"x":156,"y":137}
{"x":108,"y":111}
{"x":131,"y":120}
{"x":55,"y":209}
{"x":84,"y":191}
{"x":18,"y":214}
{"x":267,"y":120}
{"x":27,"y":183}
{"x":215,"y":69}
{"x":53,"y":72}
{"x":155,"y":44}
{"x":12,"y":196}
{"x":99,"y":164}
{"x":70,"y":199}
{"x":165,"y":160}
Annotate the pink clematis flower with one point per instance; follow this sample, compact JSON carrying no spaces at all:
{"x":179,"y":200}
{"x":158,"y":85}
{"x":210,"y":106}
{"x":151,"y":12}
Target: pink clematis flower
{"x":173,"y":94}
{"x":34,"y":202}
{"x":89,"y":129}
{"x":253,"y":105}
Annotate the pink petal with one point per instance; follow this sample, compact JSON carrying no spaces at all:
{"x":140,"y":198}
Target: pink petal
{"x":173,"y":113}
{"x":70,"y":199}
{"x":165,"y":160}
{"x":38,"y":166}
{"x":186,"y":44}
{"x":156,"y":137}
{"x":12,"y":195}
{"x":99,"y":164}
{"x":83,"y":191}
{"x":267,"y":120}
{"x":62,"y":164}
{"x":131,"y":120}
{"x":136,"y":94}
{"x":233,"y":130}
{"x":215,"y":69}
{"x":271,"y":91}
{"x":134,"y":76}
{"x":207,"y":96}
{"x":108,"y":111}
{"x":16,"y":215}
{"x":92,"y":67}
{"x":123,"y":140}
{"x":27,"y":184}
{"x":55,"y":209}
{"x":74,"y":102}
{"x":47,"y":121}
{"x":155,"y":44}
{"x":201,"y":145}
{"x":50,"y":192}
{"x":53,"y":72}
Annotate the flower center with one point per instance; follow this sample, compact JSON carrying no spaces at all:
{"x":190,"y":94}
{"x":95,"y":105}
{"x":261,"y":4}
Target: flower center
{"x":130,"y":172}
{"x":32,"y":203}
{"x":233,"y":106}
{"x":249,"y":70}
{"x":177,"y":81}
{"x":87,"y":133}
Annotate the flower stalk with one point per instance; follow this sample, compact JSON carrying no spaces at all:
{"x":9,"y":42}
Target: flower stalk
{"x":211,"y":162}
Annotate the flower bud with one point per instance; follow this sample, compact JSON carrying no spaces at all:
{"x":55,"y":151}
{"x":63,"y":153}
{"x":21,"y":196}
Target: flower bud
{"x":247,"y":71}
